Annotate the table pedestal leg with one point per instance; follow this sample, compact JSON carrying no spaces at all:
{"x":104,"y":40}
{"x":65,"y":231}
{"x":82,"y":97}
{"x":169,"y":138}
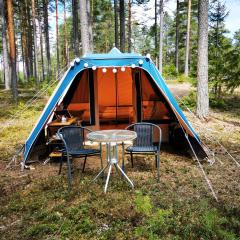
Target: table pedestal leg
{"x":108,"y":176}
{"x":123,"y":173}
{"x":101,"y":172}
{"x":112,"y":158}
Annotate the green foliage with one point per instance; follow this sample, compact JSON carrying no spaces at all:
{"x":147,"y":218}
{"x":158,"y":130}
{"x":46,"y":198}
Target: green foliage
{"x":169,"y":71}
{"x":143,"y":204}
{"x":48,"y":86}
{"x":217,"y":102}
{"x":232,"y":80}
{"x":41,"y":230}
{"x":211,"y":223}
{"x":103,"y":27}
{"x":224,"y":67}
{"x":189,"y":101}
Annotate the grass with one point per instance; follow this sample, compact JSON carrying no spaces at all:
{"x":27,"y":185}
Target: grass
{"x":36,"y":204}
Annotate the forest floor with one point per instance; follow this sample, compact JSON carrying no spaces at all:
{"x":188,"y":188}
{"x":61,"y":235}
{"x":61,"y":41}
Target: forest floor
{"x":36,"y":204}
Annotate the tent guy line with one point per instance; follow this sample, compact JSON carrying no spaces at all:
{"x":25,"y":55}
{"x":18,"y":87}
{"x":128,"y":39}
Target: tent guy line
{"x":30,"y":102}
{"x":209,"y":130}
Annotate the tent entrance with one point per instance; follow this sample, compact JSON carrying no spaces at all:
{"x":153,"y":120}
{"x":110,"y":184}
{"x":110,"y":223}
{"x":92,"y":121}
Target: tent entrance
{"x":108,"y":100}
{"x":115,"y":98}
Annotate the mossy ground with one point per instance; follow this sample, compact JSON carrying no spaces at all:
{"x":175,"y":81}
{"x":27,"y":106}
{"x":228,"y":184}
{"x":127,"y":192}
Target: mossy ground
{"x":36,"y":204}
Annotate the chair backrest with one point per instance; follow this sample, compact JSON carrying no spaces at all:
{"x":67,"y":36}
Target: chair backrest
{"x":145,"y":133}
{"x":73,"y":137}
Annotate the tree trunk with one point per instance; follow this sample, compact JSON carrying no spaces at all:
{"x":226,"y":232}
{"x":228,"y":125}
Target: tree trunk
{"x":177,"y":37}
{"x":35,"y":42}
{"x":23,"y":59}
{"x":129,"y":25}
{"x":202,"y":65}
{"x":29,"y":38}
{"x":25,"y":50}
{"x":155,"y":32}
{"x":12,"y":49}
{"x":122,"y":26}
{"x":75,"y":22}
{"x":161,"y":37}
{"x":186,"y":69}
{"x":39,"y":18}
{"x":6,"y":72}
{"x":46,"y":34}
{"x":57,"y":47}
{"x":85,"y":36}
{"x":41,"y":50}
{"x":25,"y":39}
{"x":89,"y":19}
{"x":65,"y":34}
{"x":116,"y":16}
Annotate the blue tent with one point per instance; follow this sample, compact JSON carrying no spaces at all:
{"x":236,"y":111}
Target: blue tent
{"x":107,"y":62}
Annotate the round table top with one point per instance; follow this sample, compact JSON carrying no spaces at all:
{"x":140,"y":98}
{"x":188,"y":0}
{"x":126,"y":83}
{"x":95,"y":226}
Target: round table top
{"x":115,"y":135}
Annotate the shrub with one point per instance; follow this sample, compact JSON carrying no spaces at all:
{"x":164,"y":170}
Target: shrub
{"x":41,"y":229}
{"x":143,"y":204}
{"x":169,"y":71}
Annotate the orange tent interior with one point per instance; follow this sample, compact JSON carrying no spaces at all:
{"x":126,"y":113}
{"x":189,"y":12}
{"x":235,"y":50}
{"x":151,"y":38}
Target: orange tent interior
{"x":104,"y":100}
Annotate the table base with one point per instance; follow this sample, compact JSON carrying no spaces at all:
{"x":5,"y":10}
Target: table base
{"x":112,"y":161}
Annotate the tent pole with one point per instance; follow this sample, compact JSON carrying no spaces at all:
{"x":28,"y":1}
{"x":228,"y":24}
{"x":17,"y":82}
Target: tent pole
{"x":116,"y":87}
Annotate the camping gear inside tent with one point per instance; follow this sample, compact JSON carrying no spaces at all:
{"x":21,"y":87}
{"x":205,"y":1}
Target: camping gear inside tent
{"x":111,"y":91}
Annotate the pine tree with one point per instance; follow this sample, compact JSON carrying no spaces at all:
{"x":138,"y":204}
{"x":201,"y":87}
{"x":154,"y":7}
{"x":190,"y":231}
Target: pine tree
{"x":177,"y":37}
{"x":160,"y":62}
{"x":218,"y":45}
{"x":7,"y":79}
{"x":12,"y":49}
{"x":57,"y":40}
{"x":122,"y":25}
{"x":116,"y":20}
{"x":46,"y":37}
{"x":186,"y":69}
{"x":75,"y":27}
{"x":202,"y":70}
{"x":35,"y":42}
{"x":86,"y":27}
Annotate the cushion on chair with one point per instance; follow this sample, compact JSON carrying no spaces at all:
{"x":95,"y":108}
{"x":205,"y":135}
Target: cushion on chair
{"x":84,"y":152}
{"x":142,"y":149}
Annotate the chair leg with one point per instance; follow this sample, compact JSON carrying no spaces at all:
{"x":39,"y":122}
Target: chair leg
{"x":132,"y":159}
{"x":156,"y":160}
{"x":123,"y":166}
{"x":60,"y":167}
{"x":69,"y":172}
{"x":158,"y":167}
{"x":85,"y":159}
{"x":101,"y":156}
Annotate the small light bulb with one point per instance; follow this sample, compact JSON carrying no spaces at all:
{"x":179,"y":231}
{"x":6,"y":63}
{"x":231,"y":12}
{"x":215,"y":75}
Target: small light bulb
{"x":72,"y":64}
{"x":133,"y":65}
{"x":148,"y":55}
{"x":104,"y":70}
{"x":85,"y":65}
{"x":94,"y":68}
{"x":140,"y":62}
{"x":77,"y":60}
{"x":114,"y":70}
{"x":123,"y":69}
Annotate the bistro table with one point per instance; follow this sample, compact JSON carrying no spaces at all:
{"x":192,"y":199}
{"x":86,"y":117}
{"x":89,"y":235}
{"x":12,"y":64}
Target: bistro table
{"x":112,"y":138}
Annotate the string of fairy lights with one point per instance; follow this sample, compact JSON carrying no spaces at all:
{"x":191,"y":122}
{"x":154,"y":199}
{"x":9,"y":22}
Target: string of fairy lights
{"x":105,"y":68}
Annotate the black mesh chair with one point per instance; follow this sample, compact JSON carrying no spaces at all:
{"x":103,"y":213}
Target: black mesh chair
{"x":144,"y":143}
{"x":74,"y":146}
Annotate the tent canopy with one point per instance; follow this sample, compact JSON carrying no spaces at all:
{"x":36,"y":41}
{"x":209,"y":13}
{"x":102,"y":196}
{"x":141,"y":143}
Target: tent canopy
{"x":114,"y":90}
